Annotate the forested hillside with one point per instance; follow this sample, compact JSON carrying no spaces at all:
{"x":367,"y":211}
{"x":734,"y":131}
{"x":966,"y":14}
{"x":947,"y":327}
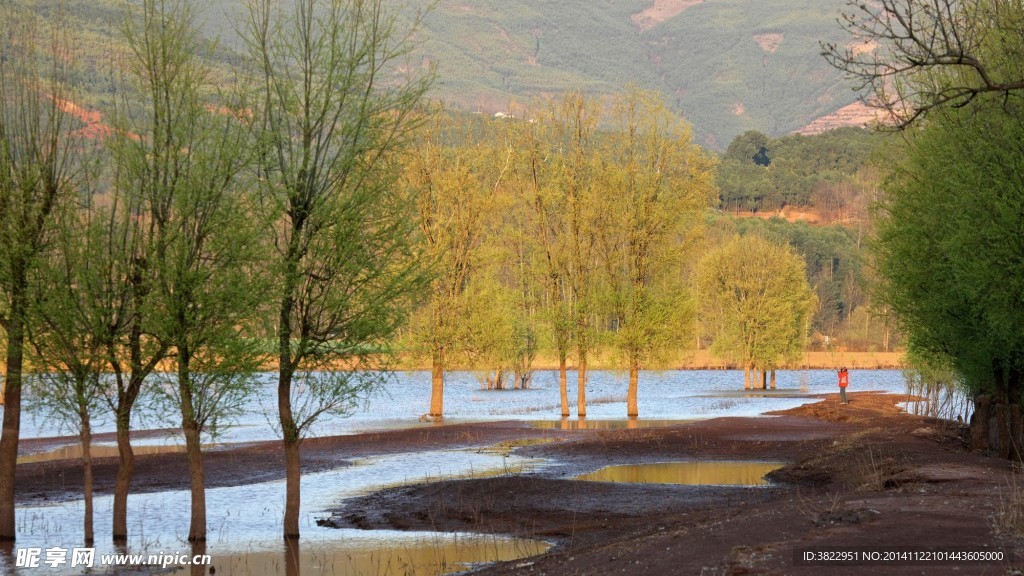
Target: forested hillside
{"x":727,"y":65}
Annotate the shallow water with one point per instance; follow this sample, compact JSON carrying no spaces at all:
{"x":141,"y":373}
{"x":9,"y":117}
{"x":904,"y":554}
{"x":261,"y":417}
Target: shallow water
{"x":245,"y":521}
{"x":378,"y":553}
{"x":668,"y":396}
{"x":249,"y":517}
{"x":687,"y":473}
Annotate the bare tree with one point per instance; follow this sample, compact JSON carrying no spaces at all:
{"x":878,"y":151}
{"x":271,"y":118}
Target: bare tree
{"x":908,"y":57}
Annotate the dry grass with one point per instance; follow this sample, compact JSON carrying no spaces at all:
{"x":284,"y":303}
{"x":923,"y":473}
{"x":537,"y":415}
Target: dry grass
{"x":1008,"y":518}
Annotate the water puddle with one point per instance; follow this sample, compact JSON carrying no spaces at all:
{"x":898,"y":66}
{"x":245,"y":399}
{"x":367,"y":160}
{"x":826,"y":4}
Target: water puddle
{"x":245,"y":521}
{"x":584,"y":424}
{"x":379,"y":553}
{"x":688,"y":473}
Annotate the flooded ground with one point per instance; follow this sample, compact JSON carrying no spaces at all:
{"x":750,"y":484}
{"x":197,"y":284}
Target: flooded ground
{"x":245,"y":520}
{"x":675,"y":395}
{"x":687,"y":473}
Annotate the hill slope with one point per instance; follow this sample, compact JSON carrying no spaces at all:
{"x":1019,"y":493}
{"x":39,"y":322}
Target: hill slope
{"x":728,"y":65}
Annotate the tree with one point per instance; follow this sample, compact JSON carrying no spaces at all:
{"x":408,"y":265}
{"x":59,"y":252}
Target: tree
{"x":755,"y":301}
{"x":333,"y":108}
{"x":915,"y":56}
{"x":949,"y":249}
{"x":185,"y":161}
{"x":70,"y":331}
{"x":657,"y":185}
{"x":452,"y":173}
{"x":120,"y":300}
{"x":537,"y":170}
{"x":574,"y":120}
{"x":40,"y":161}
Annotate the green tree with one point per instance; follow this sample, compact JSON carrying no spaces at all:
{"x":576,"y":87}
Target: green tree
{"x":657,"y":184}
{"x":453,"y":173}
{"x":950,"y":248}
{"x":69,"y":339}
{"x":574,"y":121}
{"x":755,"y":302}
{"x":333,"y":109}
{"x":542,"y":201}
{"x":185,"y":161}
{"x":40,"y":161}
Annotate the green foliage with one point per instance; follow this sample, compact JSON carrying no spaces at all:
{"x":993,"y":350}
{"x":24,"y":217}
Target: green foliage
{"x":655,"y":186}
{"x":755,"y":300}
{"x":801,"y":170}
{"x":950,"y":244}
{"x":833,"y":261}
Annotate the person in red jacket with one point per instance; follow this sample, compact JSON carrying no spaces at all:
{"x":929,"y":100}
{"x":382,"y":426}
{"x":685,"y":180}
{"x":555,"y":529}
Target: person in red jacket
{"x":844,"y":381}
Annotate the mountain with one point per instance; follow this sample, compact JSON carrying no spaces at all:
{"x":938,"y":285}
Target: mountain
{"x":728,"y":65}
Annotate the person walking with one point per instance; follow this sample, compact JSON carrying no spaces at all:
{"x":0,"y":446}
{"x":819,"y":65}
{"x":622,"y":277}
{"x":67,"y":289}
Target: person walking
{"x":844,"y":381}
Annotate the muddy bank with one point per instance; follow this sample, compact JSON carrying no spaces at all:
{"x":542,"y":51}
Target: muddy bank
{"x":861,"y":475}
{"x":234,"y":465}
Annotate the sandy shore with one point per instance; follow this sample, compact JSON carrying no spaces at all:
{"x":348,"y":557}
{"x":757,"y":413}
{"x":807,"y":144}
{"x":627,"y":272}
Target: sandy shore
{"x":863,"y":475}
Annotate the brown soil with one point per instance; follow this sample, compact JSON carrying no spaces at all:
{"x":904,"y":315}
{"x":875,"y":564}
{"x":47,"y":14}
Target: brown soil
{"x":660,"y":11}
{"x":856,"y":114}
{"x":862,"y":474}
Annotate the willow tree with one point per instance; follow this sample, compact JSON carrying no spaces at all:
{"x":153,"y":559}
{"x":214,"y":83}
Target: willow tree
{"x":657,"y":185}
{"x":39,"y":164}
{"x":559,"y":165}
{"x":755,"y":301}
{"x":949,"y":248}
{"x":332,"y":109}
{"x":185,"y":160}
{"x":71,"y":328}
{"x":453,"y":173}
{"x":536,"y":171}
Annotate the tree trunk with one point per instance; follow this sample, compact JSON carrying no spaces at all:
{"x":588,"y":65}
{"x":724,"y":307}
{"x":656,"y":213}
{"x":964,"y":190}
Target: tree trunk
{"x":581,"y":392}
{"x":747,"y":368}
{"x":194,"y":451}
{"x":764,"y":379}
{"x":198,"y":549}
{"x":979,"y":422}
{"x":437,"y":387}
{"x":292,"y":564}
{"x":12,"y":406}
{"x":1016,"y":426}
{"x":290,"y":439}
{"x":563,"y":386}
{"x":293,"y":494}
{"x":85,"y":436}
{"x":773,"y":380}
{"x":197,"y":525}
{"x":125,"y":468}
{"x":634,"y":383}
